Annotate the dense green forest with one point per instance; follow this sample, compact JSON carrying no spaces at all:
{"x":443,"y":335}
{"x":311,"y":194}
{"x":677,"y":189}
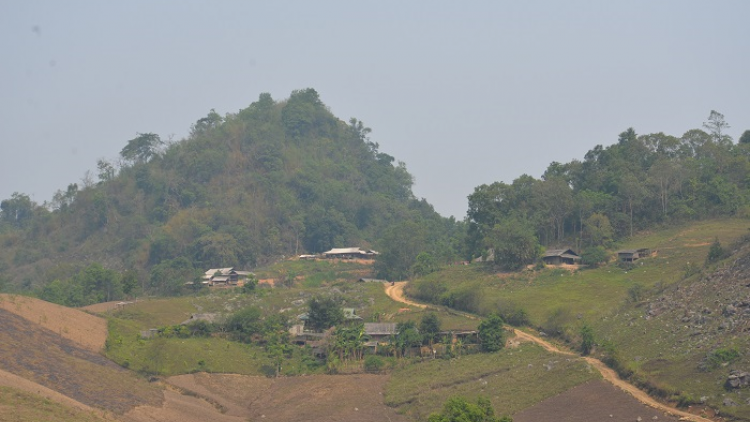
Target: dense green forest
{"x":635,"y":184}
{"x":276,"y":179}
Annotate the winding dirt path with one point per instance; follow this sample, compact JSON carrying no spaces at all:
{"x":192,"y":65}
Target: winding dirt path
{"x":396,"y":292}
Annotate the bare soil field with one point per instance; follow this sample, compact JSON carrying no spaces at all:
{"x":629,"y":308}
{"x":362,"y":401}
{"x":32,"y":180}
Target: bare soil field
{"x":87,"y":331}
{"x":230,"y":398}
{"x":70,"y":368}
{"x":593,"y":401}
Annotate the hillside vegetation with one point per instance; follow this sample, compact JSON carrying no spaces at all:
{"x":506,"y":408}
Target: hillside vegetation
{"x":275,"y":179}
{"x":674,"y":323}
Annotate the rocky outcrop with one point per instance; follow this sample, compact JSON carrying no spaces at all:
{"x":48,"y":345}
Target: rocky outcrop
{"x":737,"y":379}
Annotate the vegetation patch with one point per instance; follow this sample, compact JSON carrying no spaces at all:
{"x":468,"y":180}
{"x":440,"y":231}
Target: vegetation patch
{"x":512,"y":379}
{"x":20,"y":406}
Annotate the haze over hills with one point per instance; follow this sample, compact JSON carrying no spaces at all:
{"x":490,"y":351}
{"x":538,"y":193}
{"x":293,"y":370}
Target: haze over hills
{"x":281,"y":178}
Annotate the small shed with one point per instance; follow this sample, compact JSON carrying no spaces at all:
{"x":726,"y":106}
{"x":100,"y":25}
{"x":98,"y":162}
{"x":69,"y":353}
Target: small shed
{"x":561,"y":256}
{"x":630,"y":255}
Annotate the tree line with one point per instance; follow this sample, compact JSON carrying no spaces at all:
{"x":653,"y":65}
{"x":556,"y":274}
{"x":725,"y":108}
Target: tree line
{"x":634,"y":184}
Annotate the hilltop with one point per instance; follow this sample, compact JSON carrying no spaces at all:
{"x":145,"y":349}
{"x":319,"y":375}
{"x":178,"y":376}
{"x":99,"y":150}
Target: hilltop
{"x":276,"y":179}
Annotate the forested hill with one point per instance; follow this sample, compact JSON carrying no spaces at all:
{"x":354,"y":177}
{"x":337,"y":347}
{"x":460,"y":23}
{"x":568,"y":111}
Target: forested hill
{"x":275,"y":179}
{"x":639,"y":182}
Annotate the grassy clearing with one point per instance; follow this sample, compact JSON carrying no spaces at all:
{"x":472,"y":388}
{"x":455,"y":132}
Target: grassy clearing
{"x":20,"y":406}
{"x":513,"y":379}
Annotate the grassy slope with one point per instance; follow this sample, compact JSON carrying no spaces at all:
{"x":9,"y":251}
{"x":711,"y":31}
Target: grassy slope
{"x":513,"y":379}
{"x":661,"y":350}
{"x":20,"y":406}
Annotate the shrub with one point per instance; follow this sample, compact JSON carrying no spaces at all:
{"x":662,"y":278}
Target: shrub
{"x":594,"y":256}
{"x":374,"y":364}
{"x":716,"y":252}
{"x":587,"y":339}
{"x":635,"y":293}
{"x":719,"y":357}
{"x":518,"y":318}
{"x":492,"y":333}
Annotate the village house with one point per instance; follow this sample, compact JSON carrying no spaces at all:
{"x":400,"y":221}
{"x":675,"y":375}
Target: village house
{"x":630,"y":255}
{"x":379,"y":333}
{"x":225,"y":277}
{"x":350,"y":253}
{"x":561,"y":256}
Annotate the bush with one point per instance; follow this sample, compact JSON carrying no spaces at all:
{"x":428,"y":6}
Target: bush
{"x":719,"y":357}
{"x":492,"y":333}
{"x":635,"y":293}
{"x":587,"y":339}
{"x":715,"y":253}
{"x":518,"y":318}
{"x":594,"y":256}
{"x":374,"y":364}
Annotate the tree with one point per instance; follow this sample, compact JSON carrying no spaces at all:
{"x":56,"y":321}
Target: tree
{"x":244,"y":324}
{"x":407,"y":336}
{"x":399,"y":249}
{"x":458,"y":409}
{"x":716,"y":125}
{"x":492,"y":333}
{"x":429,"y":327}
{"x":715,"y":253}
{"x":424,"y":264}
{"x":17,"y":210}
{"x":106,"y":170}
{"x":587,"y":339}
{"x":324,"y":313}
{"x":593,"y":256}
{"x":514,"y":244}
{"x":142,"y":148}
{"x":599,"y":230}
{"x":745,"y":137}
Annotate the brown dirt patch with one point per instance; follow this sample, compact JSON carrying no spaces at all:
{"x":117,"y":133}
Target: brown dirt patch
{"x":87,"y":331}
{"x":49,"y":359}
{"x":316,"y":398}
{"x":593,"y":401}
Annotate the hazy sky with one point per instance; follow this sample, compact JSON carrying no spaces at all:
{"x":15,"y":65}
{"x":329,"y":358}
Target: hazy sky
{"x":464,"y":93}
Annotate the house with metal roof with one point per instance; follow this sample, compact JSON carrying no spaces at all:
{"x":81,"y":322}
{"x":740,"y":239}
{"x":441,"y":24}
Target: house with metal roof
{"x":350,"y":253}
{"x":224,"y":276}
{"x":630,"y":255}
{"x":561,"y":256}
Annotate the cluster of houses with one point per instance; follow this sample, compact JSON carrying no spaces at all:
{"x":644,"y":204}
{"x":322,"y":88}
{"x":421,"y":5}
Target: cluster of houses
{"x":569,"y":257}
{"x":378,"y":334}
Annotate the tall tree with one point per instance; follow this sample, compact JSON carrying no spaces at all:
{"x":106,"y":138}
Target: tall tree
{"x":142,"y":148}
{"x":716,"y":126}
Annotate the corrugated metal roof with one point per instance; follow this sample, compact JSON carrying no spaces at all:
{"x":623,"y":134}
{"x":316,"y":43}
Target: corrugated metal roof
{"x":336,"y":251}
{"x":559,"y":252}
{"x":380,"y":328}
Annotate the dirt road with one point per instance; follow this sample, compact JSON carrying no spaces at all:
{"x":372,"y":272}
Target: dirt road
{"x":396,"y":292}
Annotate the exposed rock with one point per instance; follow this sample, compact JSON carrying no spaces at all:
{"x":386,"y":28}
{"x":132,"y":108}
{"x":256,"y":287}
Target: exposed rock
{"x":729,"y":402}
{"x":737,"y":379}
